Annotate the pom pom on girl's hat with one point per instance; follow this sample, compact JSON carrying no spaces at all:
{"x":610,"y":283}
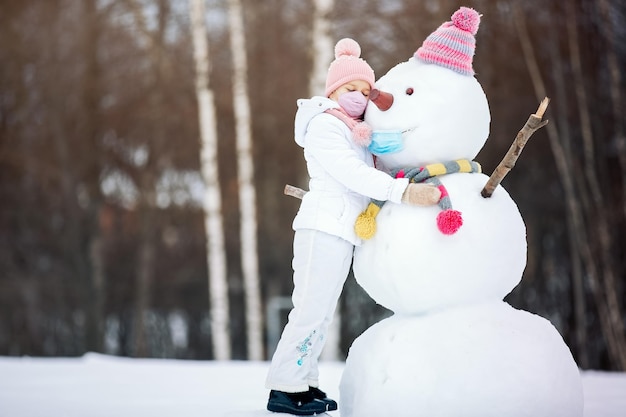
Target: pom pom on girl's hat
{"x":452,"y":45}
{"x":348,"y":66}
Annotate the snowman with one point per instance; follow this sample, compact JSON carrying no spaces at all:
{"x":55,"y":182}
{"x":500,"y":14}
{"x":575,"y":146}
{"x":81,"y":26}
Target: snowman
{"x":453,"y":347}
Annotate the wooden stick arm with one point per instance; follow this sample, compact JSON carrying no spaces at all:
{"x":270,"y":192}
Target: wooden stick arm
{"x":533,"y":124}
{"x":294,"y":191}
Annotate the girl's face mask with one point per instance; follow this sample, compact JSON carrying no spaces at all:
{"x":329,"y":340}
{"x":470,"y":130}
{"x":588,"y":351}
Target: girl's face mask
{"x":353,"y":102}
{"x":386,"y":141}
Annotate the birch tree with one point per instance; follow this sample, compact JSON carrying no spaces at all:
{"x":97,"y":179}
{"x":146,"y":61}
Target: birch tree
{"x":212,"y":203}
{"x":321,"y":45}
{"x":247,"y":193}
{"x":322,"y":50}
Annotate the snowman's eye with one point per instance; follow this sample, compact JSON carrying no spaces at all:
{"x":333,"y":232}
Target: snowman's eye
{"x":409,"y":91}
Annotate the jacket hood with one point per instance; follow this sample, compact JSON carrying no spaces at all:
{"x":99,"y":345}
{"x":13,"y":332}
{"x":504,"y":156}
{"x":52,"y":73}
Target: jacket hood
{"x":307,"y":110}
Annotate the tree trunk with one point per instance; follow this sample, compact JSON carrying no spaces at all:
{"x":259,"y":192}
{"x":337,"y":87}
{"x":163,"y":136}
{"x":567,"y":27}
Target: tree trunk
{"x":578,"y":282}
{"x":615,"y":74}
{"x":598,"y":220}
{"x":247,"y":193}
{"x":143,"y":293}
{"x":322,"y":48}
{"x":148,"y":176}
{"x":601,"y":281}
{"x":212,"y":201}
{"x":92,"y":267}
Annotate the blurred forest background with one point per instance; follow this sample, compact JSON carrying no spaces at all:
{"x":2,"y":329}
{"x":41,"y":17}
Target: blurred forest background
{"x":102,"y":232}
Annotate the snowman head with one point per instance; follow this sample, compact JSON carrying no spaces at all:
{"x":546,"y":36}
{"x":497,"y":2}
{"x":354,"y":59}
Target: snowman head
{"x":431,"y":108}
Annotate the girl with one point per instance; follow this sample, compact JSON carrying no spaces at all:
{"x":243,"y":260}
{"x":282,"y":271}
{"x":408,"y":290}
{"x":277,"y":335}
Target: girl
{"x":342,"y":182}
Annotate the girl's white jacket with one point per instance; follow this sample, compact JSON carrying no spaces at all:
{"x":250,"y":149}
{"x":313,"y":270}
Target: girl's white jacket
{"x":342,"y":174}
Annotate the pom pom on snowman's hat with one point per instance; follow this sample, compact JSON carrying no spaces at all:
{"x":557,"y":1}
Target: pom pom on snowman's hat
{"x":452,"y":45}
{"x":348,"y":66}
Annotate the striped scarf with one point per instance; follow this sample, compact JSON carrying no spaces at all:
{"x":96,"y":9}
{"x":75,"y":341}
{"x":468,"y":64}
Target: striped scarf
{"x":448,"y":220}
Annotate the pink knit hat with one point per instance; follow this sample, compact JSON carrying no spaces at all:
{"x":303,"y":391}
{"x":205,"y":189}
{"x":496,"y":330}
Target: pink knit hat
{"x":347,"y":66}
{"x":452,"y":44}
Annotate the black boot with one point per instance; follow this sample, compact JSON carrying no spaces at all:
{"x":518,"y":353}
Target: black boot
{"x":318,"y":394}
{"x":298,"y":403}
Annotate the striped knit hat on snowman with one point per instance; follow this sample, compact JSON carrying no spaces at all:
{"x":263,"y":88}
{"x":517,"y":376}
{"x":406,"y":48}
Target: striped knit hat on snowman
{"x":452,"y":45}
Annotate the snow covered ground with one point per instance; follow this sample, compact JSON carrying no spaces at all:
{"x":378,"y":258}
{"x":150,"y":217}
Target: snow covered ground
{"x":98,"y":386}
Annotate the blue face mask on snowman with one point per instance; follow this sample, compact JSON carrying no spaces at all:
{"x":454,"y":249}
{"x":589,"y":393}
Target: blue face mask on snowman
{"x":386,"y":141}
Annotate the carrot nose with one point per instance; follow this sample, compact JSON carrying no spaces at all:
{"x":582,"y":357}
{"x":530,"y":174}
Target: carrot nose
{"x":381,"y":99}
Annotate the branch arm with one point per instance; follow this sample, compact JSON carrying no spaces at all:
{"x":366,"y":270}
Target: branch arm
{"x":294,"y":191}
{"x":535,"y":122}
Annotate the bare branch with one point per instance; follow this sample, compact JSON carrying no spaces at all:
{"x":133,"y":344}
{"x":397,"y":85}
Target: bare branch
{"x":533,"y":124}
{"x":294,"y":191}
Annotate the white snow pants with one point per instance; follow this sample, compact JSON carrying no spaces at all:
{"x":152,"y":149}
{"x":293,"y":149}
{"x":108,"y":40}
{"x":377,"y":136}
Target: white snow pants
{"x":321,"y":263}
